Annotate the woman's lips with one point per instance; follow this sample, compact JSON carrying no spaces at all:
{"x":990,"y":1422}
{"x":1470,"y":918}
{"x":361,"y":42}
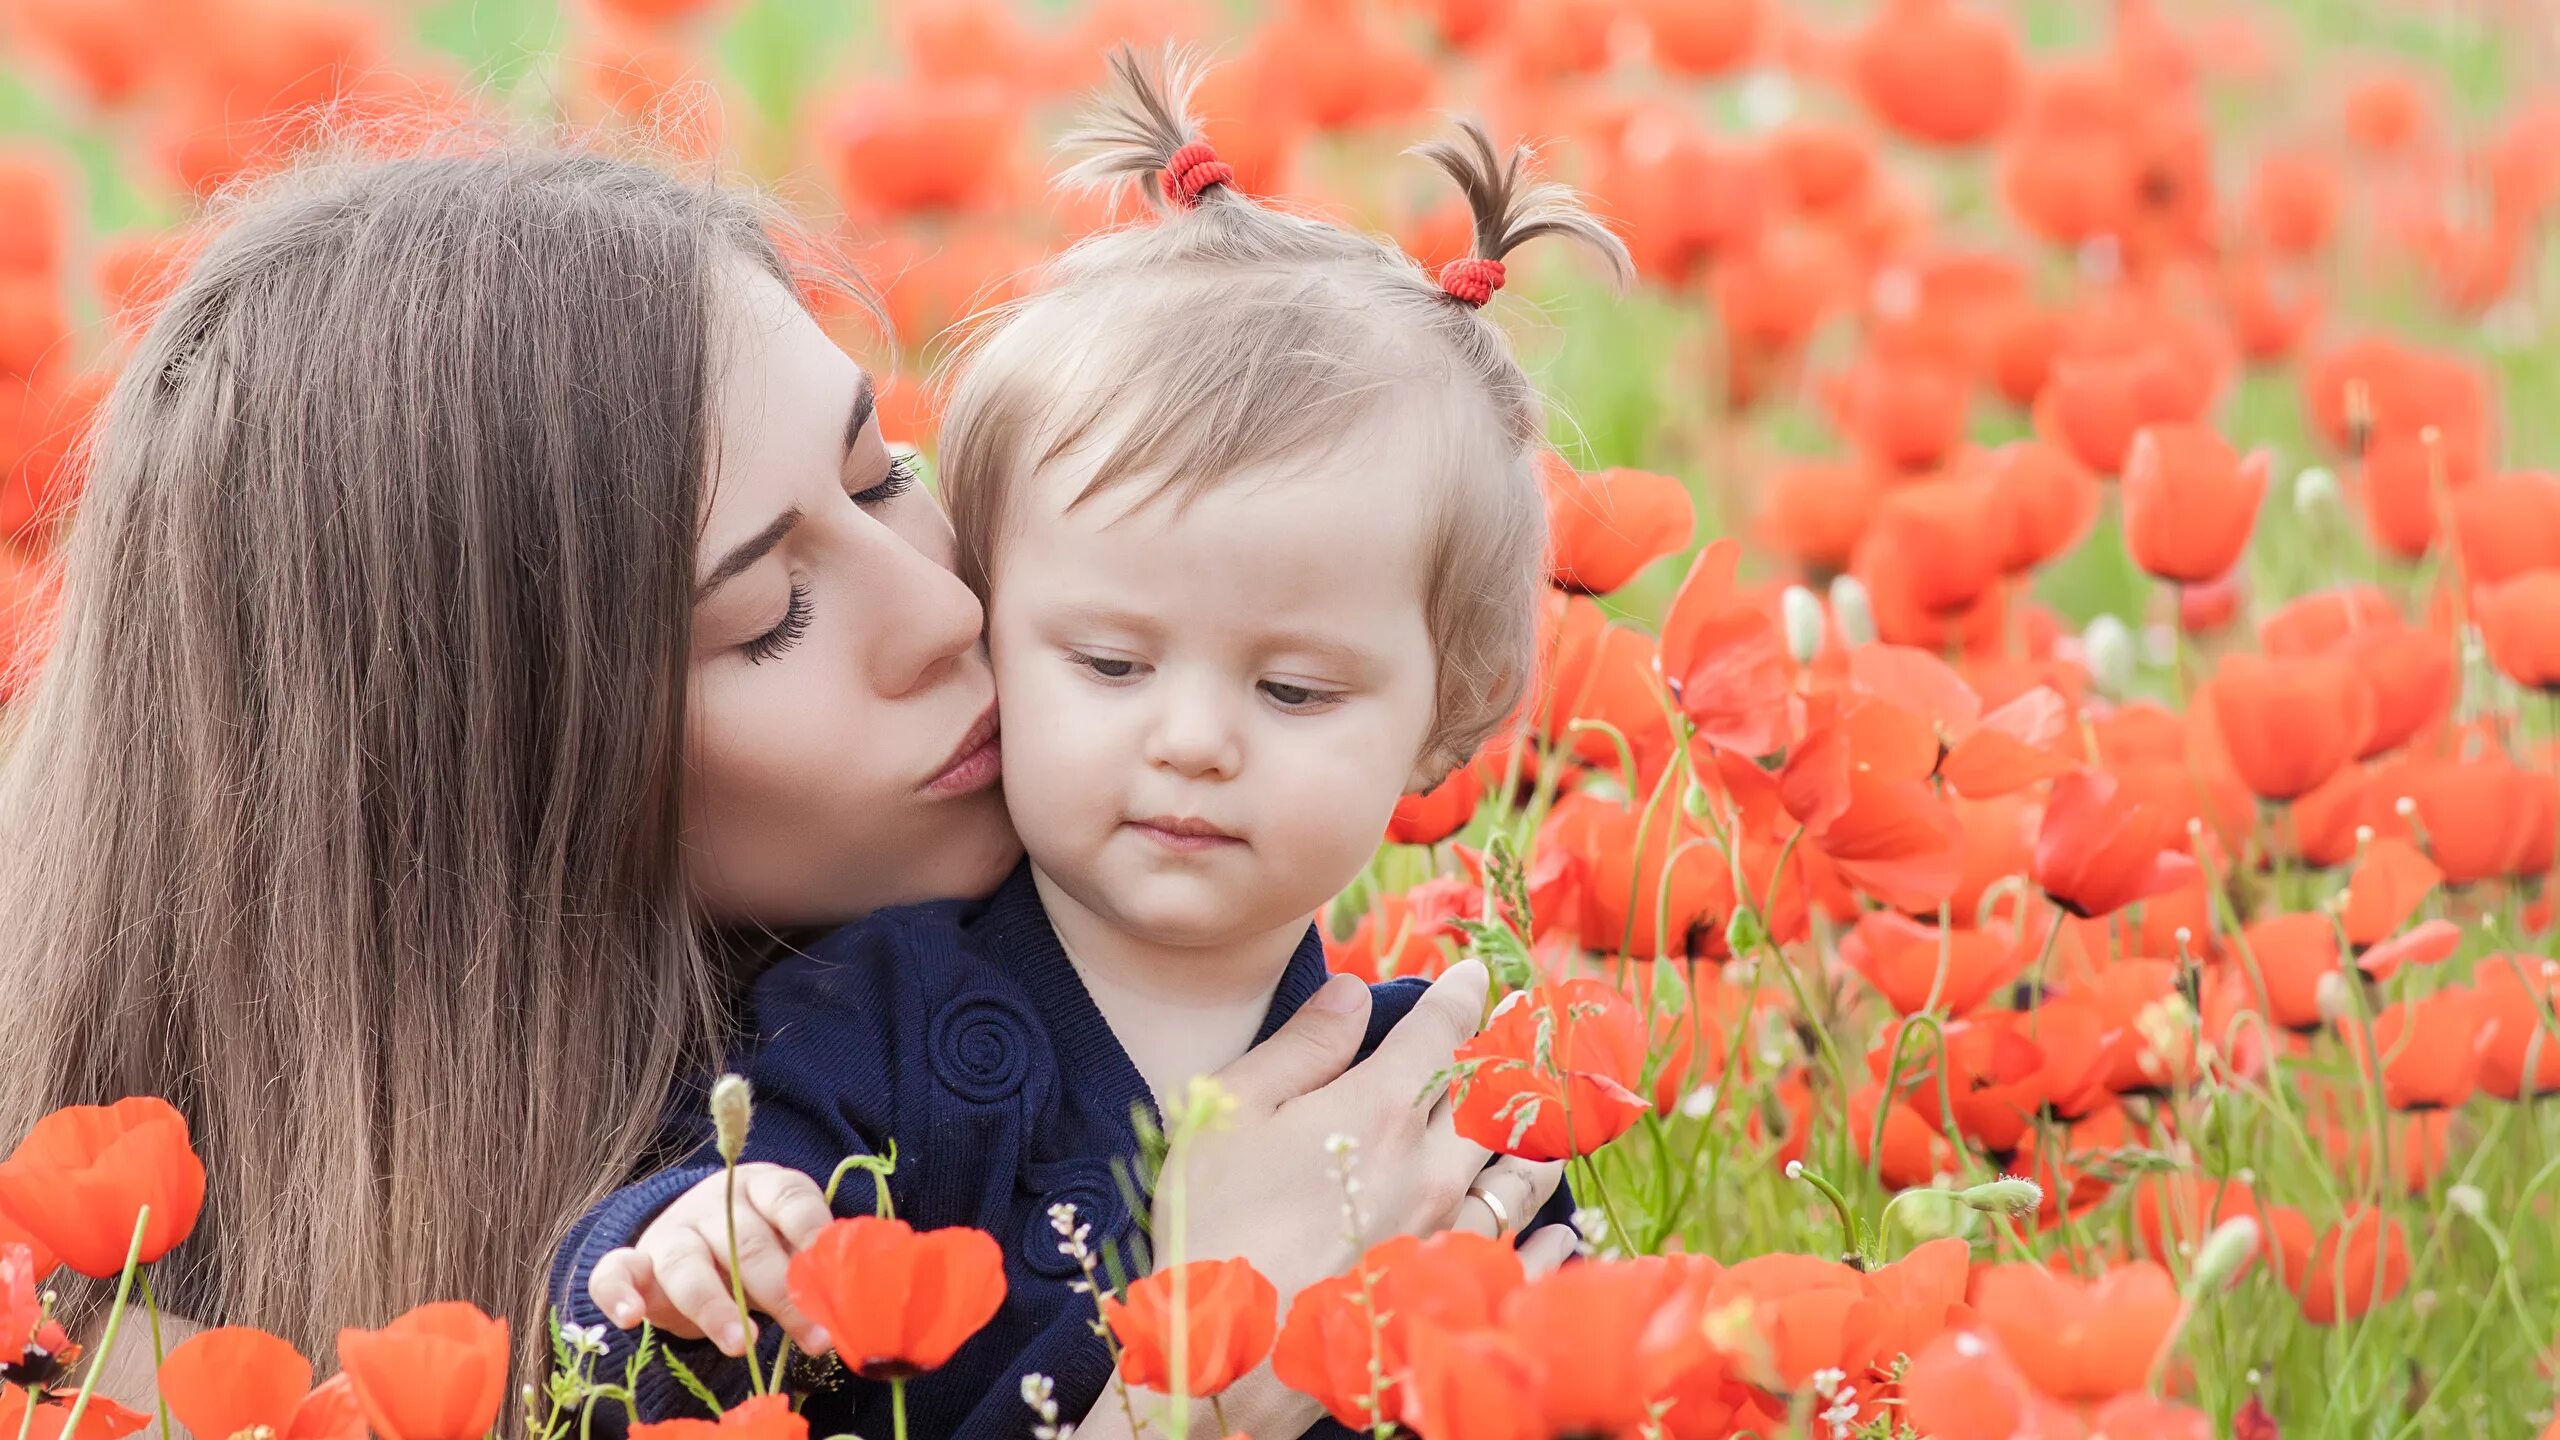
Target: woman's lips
{"x":974,"y":764}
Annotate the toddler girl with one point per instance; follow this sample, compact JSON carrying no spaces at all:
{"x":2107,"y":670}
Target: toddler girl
{"x":1250,"y":500}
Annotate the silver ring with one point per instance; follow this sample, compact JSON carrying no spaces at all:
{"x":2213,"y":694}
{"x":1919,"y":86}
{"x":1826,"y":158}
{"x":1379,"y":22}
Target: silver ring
{"x":1501,"y":1212}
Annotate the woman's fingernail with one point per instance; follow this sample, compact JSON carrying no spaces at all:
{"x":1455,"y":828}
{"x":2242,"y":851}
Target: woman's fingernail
{"x":1339,"y":995}
{"x":819,"y":1341}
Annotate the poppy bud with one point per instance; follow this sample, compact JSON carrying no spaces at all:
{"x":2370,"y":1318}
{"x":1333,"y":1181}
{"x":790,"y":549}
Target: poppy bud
{"x":2008,"y":1195}
{"x":2108,"y":646}
{"x":1855,"y":612}
{"x":733,"y":1109}
{"x":2230,"y":1246}
{"x":2466,"y":1199}
{"x":2314,"y":490}
{"x":1803,"y":614}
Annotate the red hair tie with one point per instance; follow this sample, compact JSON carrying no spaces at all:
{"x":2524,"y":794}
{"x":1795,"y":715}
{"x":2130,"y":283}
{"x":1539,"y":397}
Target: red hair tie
{"x":1194,"y":168}
{"x":1472,"y":280}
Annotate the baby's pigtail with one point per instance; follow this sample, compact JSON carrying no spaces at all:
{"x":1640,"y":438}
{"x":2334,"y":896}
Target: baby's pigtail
{"x":1512,"y":206}
{"x":1140,"y":129}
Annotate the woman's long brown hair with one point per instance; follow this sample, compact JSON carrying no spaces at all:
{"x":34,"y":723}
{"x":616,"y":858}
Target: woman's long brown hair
{"x":344,"y":812}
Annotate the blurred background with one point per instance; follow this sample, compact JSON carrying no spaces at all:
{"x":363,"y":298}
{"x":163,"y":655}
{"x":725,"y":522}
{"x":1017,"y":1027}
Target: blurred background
{"x":1872,"y":232}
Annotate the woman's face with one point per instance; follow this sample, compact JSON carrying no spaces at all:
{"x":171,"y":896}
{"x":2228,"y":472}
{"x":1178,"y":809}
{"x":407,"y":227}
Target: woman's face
{"x":841,"y":732}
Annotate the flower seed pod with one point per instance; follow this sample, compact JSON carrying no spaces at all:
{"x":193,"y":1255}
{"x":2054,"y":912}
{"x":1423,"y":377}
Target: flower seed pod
{"x":733,"y":1109}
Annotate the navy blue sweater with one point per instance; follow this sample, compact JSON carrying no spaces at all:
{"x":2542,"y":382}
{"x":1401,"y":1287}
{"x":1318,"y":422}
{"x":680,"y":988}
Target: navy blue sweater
{"x":961,"y":1029}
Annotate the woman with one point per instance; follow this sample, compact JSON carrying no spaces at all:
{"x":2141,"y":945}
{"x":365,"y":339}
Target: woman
{"x":491,"y":617}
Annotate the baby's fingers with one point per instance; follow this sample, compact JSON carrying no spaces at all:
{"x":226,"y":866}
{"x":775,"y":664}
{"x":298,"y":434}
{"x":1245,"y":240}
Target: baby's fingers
{"x":764,"y":1270}
{"x":625,"y":1287}
{"x":788,"y":1201}
{"x":695,"y":1285}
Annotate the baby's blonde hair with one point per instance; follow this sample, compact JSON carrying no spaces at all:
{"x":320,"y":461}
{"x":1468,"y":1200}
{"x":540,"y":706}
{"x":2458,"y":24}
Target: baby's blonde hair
{"x":1231,"y":335}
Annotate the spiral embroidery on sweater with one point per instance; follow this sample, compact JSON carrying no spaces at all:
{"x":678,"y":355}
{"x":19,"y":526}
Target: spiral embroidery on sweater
{"x":981,"y":1048}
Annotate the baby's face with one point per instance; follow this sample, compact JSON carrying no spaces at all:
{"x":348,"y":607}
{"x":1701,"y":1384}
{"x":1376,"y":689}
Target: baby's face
{"x":1209,"y":711}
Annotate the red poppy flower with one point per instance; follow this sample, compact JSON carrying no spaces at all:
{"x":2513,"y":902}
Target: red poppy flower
{"x":1437,"y":813}
{"x":1937,"y":72}
{"x":2389,"y":886}
{"x":2048,"y":497}
{"x":2175,"y":1212}
{"x":2484,"y":817}
{"x":1965,"y":1387}
{"x":1585,"y":1323}
{"x":2094,"y":405}
{"x":895,"y":1300}
{"x":1877,"y":820}
{"x":766,"y":1417}
{"x":2288,"y":955}
{"x":1671,"y":896}
{"x":1908,"y":962}
{"x":1912,"y":1153}
{"x":1723,"y":658}
{"x":1599,"y":671}
{"x":2518,"y":1056}
{"x":104,"y":1419}
{"x":2508,"y":525}
{"x":1932,"y":553}
{"x":1455,"y":1280}
{"x":2270,"y":312}
{"x":906,"y":147}
{"x":81,"y":1178}
{"x":1471,"y":1385}
{"x":2075,"y":1339}
{"x":436,"y":1373}
{"x":2189,"y":502}
{"x":1604,"y":526}
{"x":2521,"y":621}
{"x":2100,"y":851}
{"x":2293,"y":200}
{"x":233,"y":1382}
{"x":40,"y":1261}
{"x":2429,"y":1049}
{"x":1814,"y":511}
{"x":1702,"y":37}
{"x":1555,"y":1074}
{"x":2358,"y":1263}
{"x":34,"y":1349}
{"x":2289,"y":725}
{"x":1229,"y":1315}
{"x":1905,"y":414}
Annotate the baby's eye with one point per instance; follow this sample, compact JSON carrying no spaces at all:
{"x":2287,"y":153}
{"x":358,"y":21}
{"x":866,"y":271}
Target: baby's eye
{"x":1300,"y":697}
{"x":1106,"y":667}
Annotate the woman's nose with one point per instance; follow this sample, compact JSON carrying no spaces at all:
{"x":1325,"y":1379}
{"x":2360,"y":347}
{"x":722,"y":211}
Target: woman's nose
{"x":926,"y":620}
{"x":1193,"y":734}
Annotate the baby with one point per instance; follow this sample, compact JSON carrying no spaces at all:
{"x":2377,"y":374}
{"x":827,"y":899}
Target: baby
{"x":1251,"y":503}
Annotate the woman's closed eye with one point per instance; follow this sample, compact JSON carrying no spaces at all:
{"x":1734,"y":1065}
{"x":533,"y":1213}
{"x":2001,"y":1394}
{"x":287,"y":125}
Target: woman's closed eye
{"x":785,"y":633}
{"x":901,"y":478}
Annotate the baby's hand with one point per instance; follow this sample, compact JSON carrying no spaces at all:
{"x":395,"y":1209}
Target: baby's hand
{"x":677,"y":1276}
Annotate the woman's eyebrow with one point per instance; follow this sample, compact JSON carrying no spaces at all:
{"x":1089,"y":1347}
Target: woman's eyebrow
{"x":866,"y":398}
{"x":747,"y":552}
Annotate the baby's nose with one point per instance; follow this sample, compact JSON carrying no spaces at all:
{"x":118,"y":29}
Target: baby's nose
{"x":1194,"y":734}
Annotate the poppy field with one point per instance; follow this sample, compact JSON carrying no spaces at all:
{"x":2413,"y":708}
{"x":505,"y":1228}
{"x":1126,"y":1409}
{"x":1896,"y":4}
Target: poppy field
{"x":2030,"y":862}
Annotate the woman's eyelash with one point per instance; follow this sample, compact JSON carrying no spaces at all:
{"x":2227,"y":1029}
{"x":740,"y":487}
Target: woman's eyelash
{"x":902,"y":476}
{"x":784,"y":635}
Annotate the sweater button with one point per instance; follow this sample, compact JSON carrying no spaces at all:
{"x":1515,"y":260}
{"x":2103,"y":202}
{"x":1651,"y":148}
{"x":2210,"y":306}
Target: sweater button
{"x":980,"y":1048}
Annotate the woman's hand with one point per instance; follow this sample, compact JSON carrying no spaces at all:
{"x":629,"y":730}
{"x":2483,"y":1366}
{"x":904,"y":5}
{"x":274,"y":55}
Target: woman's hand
{"x":1266,"y":1186}
{"x":676,"y":1276}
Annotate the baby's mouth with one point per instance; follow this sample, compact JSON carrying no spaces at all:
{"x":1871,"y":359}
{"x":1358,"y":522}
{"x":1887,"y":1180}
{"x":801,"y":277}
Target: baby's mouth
{"x":1184,"y":833}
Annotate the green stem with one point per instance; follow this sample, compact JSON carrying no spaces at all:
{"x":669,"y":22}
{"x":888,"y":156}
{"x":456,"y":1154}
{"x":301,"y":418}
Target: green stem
{"x":159,"y":1355}
{"x":26,"y":1417}
{"x":115,"y":1322}
{"x":898,"y":1407}
{"x":737,"y":1281}
{"x":1839,"y":1203}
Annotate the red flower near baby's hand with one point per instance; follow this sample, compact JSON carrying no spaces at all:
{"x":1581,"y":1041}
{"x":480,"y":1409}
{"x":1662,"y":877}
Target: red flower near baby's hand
{"x":1229,"y":1316}
{"x":103,"y":1420}
{"x":897,"y":1300}
{"x":766,"y":1417}
{"x":237,"y":1381}
{"x":33,"y":1348}
{"x":436,"y":1373}
{"x":80,"y":1180}
{"x":1556,"y":1074}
